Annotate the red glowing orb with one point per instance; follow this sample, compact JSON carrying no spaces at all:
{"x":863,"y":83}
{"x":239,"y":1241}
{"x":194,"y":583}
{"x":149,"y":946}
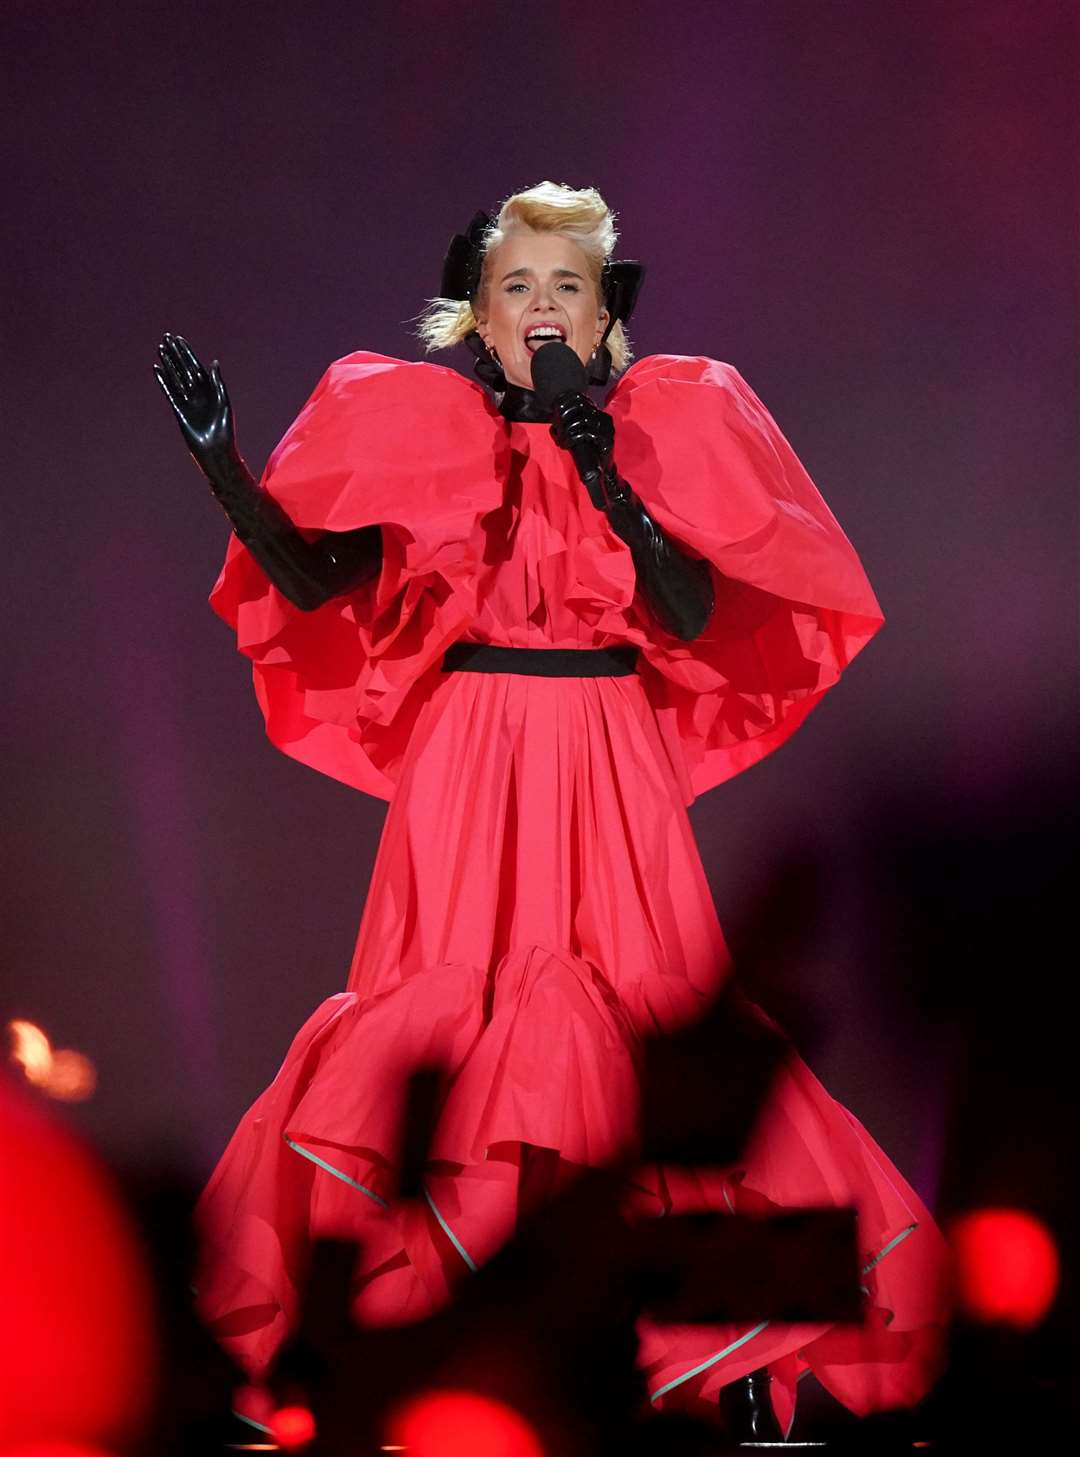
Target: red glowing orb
{"x":53,"y":1449}
{"x":462,"y":1424}
{"x":293,"y":1427}
{"x":1006,"y":1266}
{"x":77,"y":1333}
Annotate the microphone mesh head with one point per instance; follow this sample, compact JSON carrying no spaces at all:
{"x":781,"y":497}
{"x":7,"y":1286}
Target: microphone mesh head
{"x":555,"y":370}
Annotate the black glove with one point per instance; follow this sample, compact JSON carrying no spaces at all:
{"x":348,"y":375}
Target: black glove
{"x":678,"y":588}
{"x":589,"y":435}
{"x":308,"y":573}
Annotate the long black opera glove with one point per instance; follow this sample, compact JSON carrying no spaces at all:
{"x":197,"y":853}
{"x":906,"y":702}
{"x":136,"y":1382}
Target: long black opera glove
{"x":308,"y":573}
{"x":678,"y":589}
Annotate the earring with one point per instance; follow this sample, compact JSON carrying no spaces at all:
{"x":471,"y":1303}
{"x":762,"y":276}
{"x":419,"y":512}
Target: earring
{"x":486,"y":365}
{"x":598,"y":370}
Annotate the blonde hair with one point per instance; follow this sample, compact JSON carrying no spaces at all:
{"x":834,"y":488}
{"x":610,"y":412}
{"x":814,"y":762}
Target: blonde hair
{"x":580,"y":214}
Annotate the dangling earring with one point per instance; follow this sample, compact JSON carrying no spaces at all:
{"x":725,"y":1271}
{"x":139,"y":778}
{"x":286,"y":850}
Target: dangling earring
{"x":598,"y":370}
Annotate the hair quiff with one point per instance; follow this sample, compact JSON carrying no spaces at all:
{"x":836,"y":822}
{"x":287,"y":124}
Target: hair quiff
{"x":550,"y":207}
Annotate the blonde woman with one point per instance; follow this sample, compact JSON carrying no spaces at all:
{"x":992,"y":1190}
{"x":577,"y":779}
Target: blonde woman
{"x":539,"y":629}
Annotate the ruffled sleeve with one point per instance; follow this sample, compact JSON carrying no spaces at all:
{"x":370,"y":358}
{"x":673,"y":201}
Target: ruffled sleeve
{"x":415,"y":449}
{"x":793,"y":604}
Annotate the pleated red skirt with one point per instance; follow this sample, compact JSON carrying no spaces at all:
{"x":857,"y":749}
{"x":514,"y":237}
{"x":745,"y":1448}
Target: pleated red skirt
{"x":537,"y":907}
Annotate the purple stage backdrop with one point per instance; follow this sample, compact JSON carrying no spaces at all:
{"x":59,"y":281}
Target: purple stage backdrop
{"x":868,"y":208}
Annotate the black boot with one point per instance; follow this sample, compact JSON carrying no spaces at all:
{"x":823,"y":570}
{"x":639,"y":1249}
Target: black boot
{"x":747,"y":1406}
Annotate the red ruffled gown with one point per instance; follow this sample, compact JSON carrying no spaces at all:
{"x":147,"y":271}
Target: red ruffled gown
{"x":538,"y":902}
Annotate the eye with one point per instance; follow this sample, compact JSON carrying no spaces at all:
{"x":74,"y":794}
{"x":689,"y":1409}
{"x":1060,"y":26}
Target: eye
{"x":571,"y":286}
{"x":514,"y":286}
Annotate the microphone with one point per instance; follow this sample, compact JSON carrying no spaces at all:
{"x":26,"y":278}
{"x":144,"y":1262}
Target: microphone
{"x":556,"y":370}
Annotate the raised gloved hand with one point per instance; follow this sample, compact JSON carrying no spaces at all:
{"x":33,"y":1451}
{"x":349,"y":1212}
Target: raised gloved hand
{"x":308,"y":573}
{"x":200,"y":403}
{"x":678,"y":589}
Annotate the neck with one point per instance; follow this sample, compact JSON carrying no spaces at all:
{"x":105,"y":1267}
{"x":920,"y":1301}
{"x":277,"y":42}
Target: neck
{"x":519,"y":403}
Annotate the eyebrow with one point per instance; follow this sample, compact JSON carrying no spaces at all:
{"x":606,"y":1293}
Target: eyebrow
{"x":558,"y":272}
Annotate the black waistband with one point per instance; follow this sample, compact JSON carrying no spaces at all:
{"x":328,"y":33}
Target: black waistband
{"x":478,"y":657}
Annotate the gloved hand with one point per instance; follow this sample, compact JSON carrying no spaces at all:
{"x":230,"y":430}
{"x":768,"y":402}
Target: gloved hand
{"x":308,"y":573}
{"x":200,"y":403}
{"x":588,"y":433}
{"x":677,"y":588}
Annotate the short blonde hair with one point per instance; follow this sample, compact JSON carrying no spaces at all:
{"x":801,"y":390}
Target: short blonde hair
{"x":550,"y":207}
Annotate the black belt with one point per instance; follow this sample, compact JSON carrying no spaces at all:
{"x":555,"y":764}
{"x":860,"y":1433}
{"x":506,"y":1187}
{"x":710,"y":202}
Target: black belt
{"x":480,"y":657}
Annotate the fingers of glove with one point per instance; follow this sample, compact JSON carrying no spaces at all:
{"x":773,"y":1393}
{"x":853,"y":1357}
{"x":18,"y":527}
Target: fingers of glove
{"x":164,"y":382}
{"x":586,"y":433}
{"x":602,"y":426}
{"x":173,"y":373}
{"x":558,"y":433}
{"x":571,"y":408}
{"x":571,"y":424}
{"x":190,"y":358}
{"x":176,"y":364}
{"x":582,"y":416}
{"x":221,"y":394}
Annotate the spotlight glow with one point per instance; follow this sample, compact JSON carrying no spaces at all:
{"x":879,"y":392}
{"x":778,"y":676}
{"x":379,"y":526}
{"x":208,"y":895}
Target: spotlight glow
{"x":64,"y":1074}
{"x":460,"y":1424}
{"x":1007,"y":1266}
{"x":78,"y":1337}
{"x":293,"y":1427}
{"x":54,"y":1448}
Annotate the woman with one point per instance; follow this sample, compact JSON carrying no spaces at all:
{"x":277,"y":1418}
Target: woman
{"x":540,"y":629}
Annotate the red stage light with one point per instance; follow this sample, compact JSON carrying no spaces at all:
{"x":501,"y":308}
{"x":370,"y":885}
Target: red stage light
{"x":53,"y":1449}
{"x":461,"y":1424}
{"x":78,"y":1343}
{"x":293,"y":1427}
{"x":1006,"y":1266}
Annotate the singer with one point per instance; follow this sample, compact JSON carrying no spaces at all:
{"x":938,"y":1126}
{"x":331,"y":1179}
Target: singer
{"x":539,"y":629}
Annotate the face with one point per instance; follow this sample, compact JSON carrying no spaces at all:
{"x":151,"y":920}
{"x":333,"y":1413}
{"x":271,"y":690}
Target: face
{"x":538,"y":281}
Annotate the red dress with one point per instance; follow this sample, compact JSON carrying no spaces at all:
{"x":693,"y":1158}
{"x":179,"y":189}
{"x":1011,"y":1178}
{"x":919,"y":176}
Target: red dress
{"x":538,"y":902}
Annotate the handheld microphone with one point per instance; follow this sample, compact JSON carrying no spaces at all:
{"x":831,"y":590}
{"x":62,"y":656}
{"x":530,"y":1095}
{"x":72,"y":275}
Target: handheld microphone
{"x":556,"y":370}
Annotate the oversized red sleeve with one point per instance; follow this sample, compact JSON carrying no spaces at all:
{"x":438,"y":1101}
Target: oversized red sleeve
{"x":415,"y":449}
{"x":794,"y":605}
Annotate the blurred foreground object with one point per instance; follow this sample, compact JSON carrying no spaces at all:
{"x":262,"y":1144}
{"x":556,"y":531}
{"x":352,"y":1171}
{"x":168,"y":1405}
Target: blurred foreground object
{"x":293,"y":1427}
{"x":78,"y":1348}
{"x":460,"y":1424}
{"x":53,"y":1448}
{"x":981,"y":895}
{"x":1007,"y":1266}
{"x":65,"y":1074}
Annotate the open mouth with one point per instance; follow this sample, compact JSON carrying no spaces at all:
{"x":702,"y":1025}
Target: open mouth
{"x":545,"y":334}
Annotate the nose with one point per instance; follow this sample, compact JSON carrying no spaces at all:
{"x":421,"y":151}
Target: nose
{"x":543,"y":298}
